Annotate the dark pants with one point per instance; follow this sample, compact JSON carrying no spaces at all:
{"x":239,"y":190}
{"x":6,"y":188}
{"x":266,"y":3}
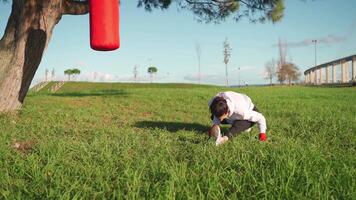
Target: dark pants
{"x":238,"y":126}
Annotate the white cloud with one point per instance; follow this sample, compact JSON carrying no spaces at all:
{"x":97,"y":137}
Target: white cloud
{"x":97,"y":77}
{"x":329,"y":39}
{"x":245,"y":74}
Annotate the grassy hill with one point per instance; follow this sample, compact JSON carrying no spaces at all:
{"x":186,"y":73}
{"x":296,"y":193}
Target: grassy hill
{"x":148,"y":141}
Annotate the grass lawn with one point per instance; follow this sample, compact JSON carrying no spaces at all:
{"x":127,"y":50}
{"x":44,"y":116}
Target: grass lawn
{"x":148,"y":141}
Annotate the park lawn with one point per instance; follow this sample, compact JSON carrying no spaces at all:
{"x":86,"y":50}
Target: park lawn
{"x":148,"y":141}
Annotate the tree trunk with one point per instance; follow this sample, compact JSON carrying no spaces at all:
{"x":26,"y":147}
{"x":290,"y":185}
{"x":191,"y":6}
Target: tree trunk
{"x":26,"y":36}
{"x":227,"y":80}
{"x":199,"y":73}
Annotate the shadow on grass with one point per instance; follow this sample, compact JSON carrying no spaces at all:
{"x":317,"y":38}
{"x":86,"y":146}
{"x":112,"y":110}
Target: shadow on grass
{"x":173,"y":126}
{"x":92,"y":93}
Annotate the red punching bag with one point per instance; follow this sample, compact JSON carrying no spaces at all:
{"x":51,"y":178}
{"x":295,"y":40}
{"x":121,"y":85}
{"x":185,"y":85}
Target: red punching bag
{"x":104,"y":24}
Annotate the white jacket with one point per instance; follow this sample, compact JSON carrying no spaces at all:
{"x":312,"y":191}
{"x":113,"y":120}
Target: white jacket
{"x":241,"y":108}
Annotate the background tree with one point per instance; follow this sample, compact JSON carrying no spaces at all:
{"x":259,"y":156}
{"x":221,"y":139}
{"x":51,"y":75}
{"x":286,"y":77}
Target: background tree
{"x":227,"y":54}
{"x":293,"y":73}
{"x":282,"y":70}
{"x":281,"y":74}
{"x":288,"y":72}
{"x":218,"y":10}
{"x":270,"y":70}
{"x":152,"y":70}
{"x":68,"y":72}
{"x":75,"y":72}
{"x":31,"y":23}
{"x":71,"y":72}
{"x":198,"y":50}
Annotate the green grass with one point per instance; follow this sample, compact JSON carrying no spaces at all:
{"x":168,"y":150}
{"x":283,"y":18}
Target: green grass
{"x":148,"y":141}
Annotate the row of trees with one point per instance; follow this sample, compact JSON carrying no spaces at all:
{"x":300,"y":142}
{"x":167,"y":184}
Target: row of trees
{"x":73,"y":72}
{"x":285,"y":73}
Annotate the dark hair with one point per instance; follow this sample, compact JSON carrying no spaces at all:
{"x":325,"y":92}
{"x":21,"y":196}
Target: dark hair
{"x":218,"y":107}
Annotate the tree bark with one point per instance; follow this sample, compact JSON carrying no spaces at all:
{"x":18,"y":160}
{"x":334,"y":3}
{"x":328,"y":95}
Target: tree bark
{"x":26,"y":36}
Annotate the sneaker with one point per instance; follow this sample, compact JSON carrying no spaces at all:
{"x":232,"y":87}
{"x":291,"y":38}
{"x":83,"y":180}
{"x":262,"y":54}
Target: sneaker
{"x":221,"y":140}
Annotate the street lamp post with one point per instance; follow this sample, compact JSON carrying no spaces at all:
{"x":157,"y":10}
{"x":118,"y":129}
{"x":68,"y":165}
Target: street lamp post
{"x":315,"y":41}
{"x":239,"y":77}
{"x":135,"y":72}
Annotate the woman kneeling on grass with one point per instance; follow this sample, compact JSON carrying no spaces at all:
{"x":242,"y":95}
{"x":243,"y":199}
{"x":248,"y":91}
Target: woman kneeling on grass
{"x":239,"y":111}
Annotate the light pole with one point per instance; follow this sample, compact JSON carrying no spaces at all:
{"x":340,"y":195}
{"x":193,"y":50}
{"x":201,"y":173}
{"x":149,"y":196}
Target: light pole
{"x":315,"y":41}
{"x":135,"y":72}
{"x":239,"y":76}
{"x":198,"y":49}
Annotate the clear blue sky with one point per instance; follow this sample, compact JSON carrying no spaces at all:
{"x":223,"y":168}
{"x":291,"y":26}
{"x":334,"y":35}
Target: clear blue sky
{"x":167,"y":39}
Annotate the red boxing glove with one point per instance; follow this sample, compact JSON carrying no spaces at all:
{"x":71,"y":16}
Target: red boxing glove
{"x":263,"y":137}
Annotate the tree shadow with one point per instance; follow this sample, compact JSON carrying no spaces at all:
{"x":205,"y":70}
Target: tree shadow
{"x":173,"y":127}
{"x":103,"y":93}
